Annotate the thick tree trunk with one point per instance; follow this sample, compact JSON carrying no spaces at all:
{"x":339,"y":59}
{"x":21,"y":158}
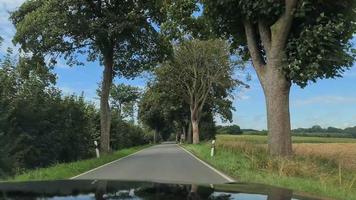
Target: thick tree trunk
{"x":270,"y":72}
{"x":105,"y":116}
{"x":195,"y":124}
{"x":277,"y":89}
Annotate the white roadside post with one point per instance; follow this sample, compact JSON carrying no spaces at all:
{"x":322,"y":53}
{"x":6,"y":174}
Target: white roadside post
{"x":96,"y":149}
{"x":212,"y":152}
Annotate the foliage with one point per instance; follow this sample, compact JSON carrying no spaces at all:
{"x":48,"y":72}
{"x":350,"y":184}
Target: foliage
{"x":121,"y":35}
{"x":122,"y":29}
{"x":200,"y":75}
{"x":232,"y":129}
{"x":201,"y":69}
{"x":153,"y":112}
{"x":125,"y":134}
{"x":123,"y":98}
{"x":318,"y":46}
{"x":39,"y":126}
{"x":198,"y":79}
{"x":326,"y":132}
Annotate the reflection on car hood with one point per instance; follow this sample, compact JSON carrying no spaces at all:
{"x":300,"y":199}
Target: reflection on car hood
{"x":101,"y":189}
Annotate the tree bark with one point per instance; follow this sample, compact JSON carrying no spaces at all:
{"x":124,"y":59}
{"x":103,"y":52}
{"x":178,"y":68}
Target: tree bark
{"x":105,"y":116}
{"x":277,"y":88}
{"x":195,"y":125}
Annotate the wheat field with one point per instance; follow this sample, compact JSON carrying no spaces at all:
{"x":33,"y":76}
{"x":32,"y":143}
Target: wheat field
{"x":341,"y":150}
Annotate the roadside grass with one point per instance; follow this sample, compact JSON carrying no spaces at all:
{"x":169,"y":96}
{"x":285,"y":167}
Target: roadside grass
{"x":246,"y":159}
{"x":68,"y":170}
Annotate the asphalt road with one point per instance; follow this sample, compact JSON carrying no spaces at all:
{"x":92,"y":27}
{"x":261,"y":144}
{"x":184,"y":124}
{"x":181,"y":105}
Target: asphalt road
{"x":160,"y":163}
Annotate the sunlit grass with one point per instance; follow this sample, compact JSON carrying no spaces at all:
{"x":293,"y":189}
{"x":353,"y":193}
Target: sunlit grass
{"x":246,"y":159}
{"x":68,"y":170}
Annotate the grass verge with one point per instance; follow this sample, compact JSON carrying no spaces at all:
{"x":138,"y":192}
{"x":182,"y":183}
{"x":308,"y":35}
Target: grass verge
{"x":247,"y":160}
{"x":68,"y":170}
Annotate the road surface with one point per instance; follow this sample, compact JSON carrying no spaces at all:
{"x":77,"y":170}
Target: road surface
{"x":160,"y":163}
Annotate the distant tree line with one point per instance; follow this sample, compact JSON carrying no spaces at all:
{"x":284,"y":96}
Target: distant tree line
{"x":315,"y":130}
{"x":329,"y":131}
{"x":39,"y":126}
{"x":231,"y":130}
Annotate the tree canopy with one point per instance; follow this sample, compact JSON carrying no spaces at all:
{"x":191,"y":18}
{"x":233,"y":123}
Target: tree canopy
{"x":122,"y":29}
{"x":200,"y":73}
{"x":317,"y":46}
{"x":124,"y":98}
{"x":119,"y":34}
{"x":288,"y":42}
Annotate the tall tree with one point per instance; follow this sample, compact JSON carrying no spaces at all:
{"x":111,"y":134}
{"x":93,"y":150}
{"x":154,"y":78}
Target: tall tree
{"x":151,"y":113}
{"x":288,"y":42}
{"x":199,"y":72}
{"x":120,"y":34}
{"x":123,"y":98}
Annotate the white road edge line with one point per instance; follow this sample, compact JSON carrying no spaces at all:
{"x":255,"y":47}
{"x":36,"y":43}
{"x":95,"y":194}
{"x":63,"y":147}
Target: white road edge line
{"x":209,"y":166}
{"x":74,"y":177}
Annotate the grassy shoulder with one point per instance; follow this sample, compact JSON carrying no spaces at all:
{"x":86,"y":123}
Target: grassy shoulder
{"x":68,"y":170}
{"x":245,"y":158}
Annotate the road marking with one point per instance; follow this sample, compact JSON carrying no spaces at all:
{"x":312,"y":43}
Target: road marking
{"x":209,"y":166}
{"x":108,"y":163}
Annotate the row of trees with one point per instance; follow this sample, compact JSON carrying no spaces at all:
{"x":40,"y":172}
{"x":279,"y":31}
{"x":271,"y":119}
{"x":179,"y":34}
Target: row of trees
{"x":287,"y":41}
{"x":39,"y":126}
{"x":318,"y":129}
{"x":193,"y":86}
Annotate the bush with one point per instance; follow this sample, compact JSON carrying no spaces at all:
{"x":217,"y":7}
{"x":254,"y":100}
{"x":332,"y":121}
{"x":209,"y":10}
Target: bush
{"x":125,"y":134}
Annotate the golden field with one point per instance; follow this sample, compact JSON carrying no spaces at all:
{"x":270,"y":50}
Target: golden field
{"x":343,"y":153}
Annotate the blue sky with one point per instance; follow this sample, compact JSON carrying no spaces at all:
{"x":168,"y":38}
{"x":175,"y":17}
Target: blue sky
{"x":327,"y":103}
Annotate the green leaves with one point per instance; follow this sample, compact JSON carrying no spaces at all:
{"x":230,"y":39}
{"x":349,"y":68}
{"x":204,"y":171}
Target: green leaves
{"x":123,"y":98}
{"x":123,"y":30}
{"x":318,"y":45}
{"x":320,"y":48}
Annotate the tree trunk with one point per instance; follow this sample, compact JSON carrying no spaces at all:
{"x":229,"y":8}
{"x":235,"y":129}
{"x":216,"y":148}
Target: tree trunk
{"x":189,"y":134}
{"x":195,"y":124}
{"x":105,"y":116}
{"x":277,"y":89}
{"x":155,"y":135}
{"x":184,"y":133}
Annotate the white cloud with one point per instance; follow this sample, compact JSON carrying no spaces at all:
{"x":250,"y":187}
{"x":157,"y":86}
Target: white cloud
{"x":62,"y":64}
{"x":325,"y":100}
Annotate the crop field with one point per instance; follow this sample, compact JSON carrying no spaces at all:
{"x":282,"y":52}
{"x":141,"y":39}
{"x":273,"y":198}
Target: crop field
{"x":340,"y":150}
{"x":321,"y":166}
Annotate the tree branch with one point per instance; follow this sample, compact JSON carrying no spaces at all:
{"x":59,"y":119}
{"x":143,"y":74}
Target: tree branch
{"x":265,"y":34}
{"x":255,"y":52}
{"x":281,"y":28}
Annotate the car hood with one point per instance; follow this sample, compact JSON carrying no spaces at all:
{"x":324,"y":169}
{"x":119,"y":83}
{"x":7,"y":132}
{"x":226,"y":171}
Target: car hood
{"x":103,"y":189}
